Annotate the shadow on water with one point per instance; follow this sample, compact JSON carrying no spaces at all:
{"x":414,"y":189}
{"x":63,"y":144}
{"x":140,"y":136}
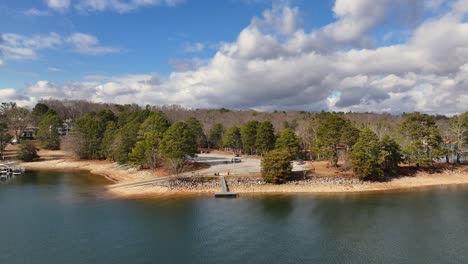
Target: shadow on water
{"x":276,"y":207}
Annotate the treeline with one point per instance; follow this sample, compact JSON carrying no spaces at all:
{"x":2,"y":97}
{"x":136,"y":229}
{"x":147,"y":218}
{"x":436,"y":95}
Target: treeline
{"x":371,"y":144}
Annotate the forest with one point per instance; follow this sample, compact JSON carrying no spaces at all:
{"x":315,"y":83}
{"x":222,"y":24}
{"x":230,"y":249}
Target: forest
{"x":371,"y":145}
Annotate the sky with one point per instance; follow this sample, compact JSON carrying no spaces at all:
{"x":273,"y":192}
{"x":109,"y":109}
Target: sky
{"x":389,"y":56}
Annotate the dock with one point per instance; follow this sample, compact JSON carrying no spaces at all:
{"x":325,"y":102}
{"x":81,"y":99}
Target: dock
{"x":9,"y":170}
{"x":225,"y":193}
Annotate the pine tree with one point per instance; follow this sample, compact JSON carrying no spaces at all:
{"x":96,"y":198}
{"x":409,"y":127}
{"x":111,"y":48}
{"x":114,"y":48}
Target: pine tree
{"x":249,"y":137}
{"x":48,"y":135}
{"x":366,"y":156}
{"x":276,"y":166}
{"x":265,"y":137}
{"x":288,"y":141}
{"x":423,"y":139}
{"x":334,"y":133}
{"x":178,"y":141}
{"x":5,"y":138}
{"x":197,"y":130}
{"x":216,"y":136}
{"x":232,"y":139}
{"x":146,"y":152}
{"x":391,"y":153}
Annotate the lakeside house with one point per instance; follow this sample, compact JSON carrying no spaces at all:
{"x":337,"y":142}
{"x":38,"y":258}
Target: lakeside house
{"x":29,"y":133}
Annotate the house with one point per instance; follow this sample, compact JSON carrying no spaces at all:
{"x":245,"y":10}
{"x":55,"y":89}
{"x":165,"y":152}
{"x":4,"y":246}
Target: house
{"x":29,"y":133}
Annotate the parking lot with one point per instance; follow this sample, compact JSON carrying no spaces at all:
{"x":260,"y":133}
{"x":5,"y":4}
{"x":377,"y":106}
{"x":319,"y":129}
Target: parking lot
{"x":222,"y":164}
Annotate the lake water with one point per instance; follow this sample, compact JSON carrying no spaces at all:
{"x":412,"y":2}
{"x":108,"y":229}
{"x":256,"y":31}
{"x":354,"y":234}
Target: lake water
{"x":52,"y":217}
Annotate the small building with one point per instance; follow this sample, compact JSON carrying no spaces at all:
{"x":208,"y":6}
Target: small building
{"x":29,"y":133}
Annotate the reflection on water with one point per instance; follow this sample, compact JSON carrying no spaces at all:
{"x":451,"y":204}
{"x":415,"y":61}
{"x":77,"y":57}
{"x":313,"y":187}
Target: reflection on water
{"x":62,"y":217}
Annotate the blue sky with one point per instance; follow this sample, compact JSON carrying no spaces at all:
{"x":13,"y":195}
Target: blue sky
{"x":348,"y":55}
{"x":148,"y":37}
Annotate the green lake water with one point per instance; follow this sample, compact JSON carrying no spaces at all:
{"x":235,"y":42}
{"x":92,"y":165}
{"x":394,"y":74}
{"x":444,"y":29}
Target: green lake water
{"x":64,"y":218}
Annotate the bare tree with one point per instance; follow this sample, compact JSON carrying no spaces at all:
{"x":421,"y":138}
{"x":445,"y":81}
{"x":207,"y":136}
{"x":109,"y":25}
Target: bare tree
{"x":18,"y":119}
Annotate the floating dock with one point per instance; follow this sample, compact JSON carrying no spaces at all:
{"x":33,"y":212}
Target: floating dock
{"x":9,"y":170}
{"x":225,"y":193}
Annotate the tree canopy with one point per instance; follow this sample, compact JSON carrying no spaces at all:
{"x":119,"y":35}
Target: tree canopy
{"x":288,"y":141}
{"x":422,"y":138}
{"x":265,"y":140}
{"x":276,"y":166}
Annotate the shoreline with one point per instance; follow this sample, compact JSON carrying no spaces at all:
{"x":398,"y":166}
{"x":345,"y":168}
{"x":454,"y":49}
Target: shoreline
{"x":245,"y":185}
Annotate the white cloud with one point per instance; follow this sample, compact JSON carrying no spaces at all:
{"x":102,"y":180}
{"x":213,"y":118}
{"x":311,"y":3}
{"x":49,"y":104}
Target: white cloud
{"x":269,"y":67}
{"x":188,"y":64}
{"x":18,"y":47}
{"x":89,"y":44}
{"x":53,"y":69}
{"x":193,"y":47}
{"x":10,"y":94}
{"x":36,"y":12}
{"x":58,"y":5}
{"x":122,"y":6}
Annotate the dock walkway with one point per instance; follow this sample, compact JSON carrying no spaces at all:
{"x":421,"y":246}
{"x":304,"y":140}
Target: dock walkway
{"x":224,"y":190}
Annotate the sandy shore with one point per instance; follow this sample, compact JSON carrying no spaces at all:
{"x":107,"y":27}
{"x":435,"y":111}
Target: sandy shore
{"x":125,"y":174}
{"x":59,"y":160}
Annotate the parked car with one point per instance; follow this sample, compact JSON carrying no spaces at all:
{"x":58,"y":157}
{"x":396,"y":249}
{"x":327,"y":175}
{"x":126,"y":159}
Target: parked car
{"x":235,"y":160}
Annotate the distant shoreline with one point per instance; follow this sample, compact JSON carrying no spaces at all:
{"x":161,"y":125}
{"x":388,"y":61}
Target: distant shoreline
{"x":245,"y":185}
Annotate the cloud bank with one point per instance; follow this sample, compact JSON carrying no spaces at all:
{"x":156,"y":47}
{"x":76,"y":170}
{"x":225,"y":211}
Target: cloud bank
{"x":276,"y":64}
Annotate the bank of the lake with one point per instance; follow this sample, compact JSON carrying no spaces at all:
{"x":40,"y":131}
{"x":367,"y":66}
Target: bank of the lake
{"x":315,"y":184}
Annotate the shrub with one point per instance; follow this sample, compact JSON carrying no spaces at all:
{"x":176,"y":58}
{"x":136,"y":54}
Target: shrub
{"x":27,"y":152}
{"x":276,"y":166}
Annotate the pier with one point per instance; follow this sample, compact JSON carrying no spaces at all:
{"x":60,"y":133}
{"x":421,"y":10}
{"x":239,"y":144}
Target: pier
{"x":225,"y":193}
{"x":9,"y":170}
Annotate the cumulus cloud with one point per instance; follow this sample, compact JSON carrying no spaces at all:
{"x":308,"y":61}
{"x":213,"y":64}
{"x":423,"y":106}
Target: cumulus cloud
{"x":89,"y":44}
{"x":281,"y":66}
{"x":10,"y":94}
{"x":58,"y":5}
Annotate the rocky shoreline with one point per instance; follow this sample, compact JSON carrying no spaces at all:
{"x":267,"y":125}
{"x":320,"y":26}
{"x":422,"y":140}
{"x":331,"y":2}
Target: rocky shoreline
{"x":191,"y":184}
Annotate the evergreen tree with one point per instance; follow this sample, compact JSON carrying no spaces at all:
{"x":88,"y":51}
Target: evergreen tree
{"x":249,"y":137}
{"x":265,"y":137}
{"x":127,"y":134}
{"x":423,"y":139}
{"x":146,"y":153}
{"x":197,"y":130}
{"x":5,"y":138}
{"x":107,"y":142}
{"x":366,"y":156}
{"x":232,"y":139}
{"x":216,"y":136}
{"x":27,"y":152}
{"x":288,"y":141}
{"x":391,"y":152}
{"x":276,"y":166}
{"x":40,"y":109}
{"x":88,"y":133}
{"x":333,"y":133}
{"x":178,"y":141}
{"x":48,"y":135}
